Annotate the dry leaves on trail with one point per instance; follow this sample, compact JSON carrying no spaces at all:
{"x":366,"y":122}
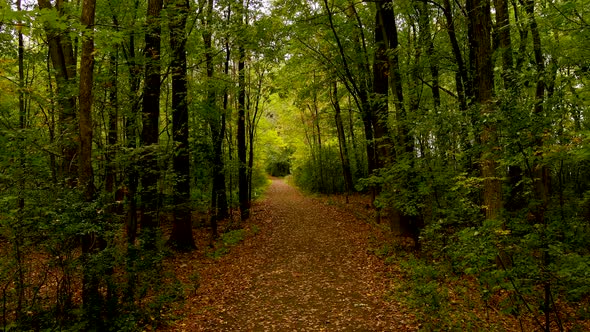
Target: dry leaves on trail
{"x":306,"y":269}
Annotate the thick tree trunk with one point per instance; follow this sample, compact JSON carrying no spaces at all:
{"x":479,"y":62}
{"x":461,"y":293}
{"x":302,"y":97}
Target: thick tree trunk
{"x":484,"y":86}
{"x":150,"y":118}
{"x":182,"y":231}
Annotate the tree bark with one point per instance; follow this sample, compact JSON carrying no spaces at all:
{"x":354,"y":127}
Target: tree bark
{"x":91,"y":243}
{"x":484,"y":85}
{"x":380,"y":113}
{"x":150,"y":119}
{"x":182,"y":232}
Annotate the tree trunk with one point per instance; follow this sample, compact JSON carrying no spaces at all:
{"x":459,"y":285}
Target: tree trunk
{"x":484,"y":85}
{"x":150,"y":118}
{"x":379,"y":115}
{"x":112,"y":130}
{"x":252,"y":124}
{"x":427,"y":43}
{"x":241,"y":129}
{"x":219,"y":206}
{"x":91,"y":243}
{"x":182,"y":231}
{"x":358,"y":88}
{"x":343,"y":147}
{"x":463,"y":85}
{"x":540,"y":172}
{"x":131,"y":128}
{"x":86,"y":180}
{"x":64,"y":64}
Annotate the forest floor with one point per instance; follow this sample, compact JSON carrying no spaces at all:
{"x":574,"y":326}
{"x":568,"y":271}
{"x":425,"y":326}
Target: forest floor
{"x":304,"y":265}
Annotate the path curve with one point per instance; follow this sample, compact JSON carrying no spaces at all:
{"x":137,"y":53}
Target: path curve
{"x":308,"y":269}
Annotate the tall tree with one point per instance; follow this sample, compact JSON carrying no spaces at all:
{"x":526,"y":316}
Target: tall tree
{"x":131,"y":130}
{"x":61,"y":53}
{"x":151,"y":118}
{"x":241,"y":125}
{"x":91,"y":242}
{"x":481,"y":23}
{"x":182,"y":234}
{"x":216,"y":122}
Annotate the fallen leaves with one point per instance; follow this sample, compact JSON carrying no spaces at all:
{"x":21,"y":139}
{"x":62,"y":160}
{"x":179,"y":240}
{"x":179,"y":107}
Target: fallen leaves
{"x":306,"y":269}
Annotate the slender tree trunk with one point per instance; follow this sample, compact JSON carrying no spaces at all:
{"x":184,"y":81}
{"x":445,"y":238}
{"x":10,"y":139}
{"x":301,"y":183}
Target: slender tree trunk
{"x":64,"y":64}
{"x":359,"y":89}
{"x":380,"y":112}
{"x":182,"y":230}
{"x":217,"y":125}
{"x":463,"y":86}
{"x":427,"y":43}
{"x":343,"y":147}
{"x":150,"y":129}
{"x":19,"y":232}
{"x":540,"y":172}
{"x":503,"y":28}
{"x":241,"y":130}
{"x":91,"y":243}
{"x":112,"y":131}
{"x":131,"y":130}
{"x":252,"y":125}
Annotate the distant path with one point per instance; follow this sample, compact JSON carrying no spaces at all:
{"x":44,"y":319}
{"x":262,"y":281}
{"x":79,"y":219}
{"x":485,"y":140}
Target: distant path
{"x":307,"y":270}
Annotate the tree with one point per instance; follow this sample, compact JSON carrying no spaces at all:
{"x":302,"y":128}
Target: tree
{"x":62,"y":58}
{"x":241,"y":124}
{"x":91,"y":242}
{"x":484,"y":86}
{"x":342,"y":145}
{"x":182,"y":234}
{"x":217,"y":123}
{"x":151,"y":118}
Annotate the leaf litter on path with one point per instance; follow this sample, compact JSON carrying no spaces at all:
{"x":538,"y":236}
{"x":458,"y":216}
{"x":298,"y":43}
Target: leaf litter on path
{"x":307,"y":268}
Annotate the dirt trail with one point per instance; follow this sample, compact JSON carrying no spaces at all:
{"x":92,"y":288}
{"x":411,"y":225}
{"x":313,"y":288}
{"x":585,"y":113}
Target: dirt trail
{"x":307,"y":269}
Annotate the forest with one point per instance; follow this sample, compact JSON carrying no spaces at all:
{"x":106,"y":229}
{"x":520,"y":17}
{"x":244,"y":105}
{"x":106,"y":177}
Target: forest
{"x":126,"y":126}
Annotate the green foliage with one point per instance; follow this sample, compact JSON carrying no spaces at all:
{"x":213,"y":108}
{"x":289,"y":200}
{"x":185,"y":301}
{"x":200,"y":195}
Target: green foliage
{"x":227,"y":240}
{"x":322,"y":174}
{"x":278,"y":163}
